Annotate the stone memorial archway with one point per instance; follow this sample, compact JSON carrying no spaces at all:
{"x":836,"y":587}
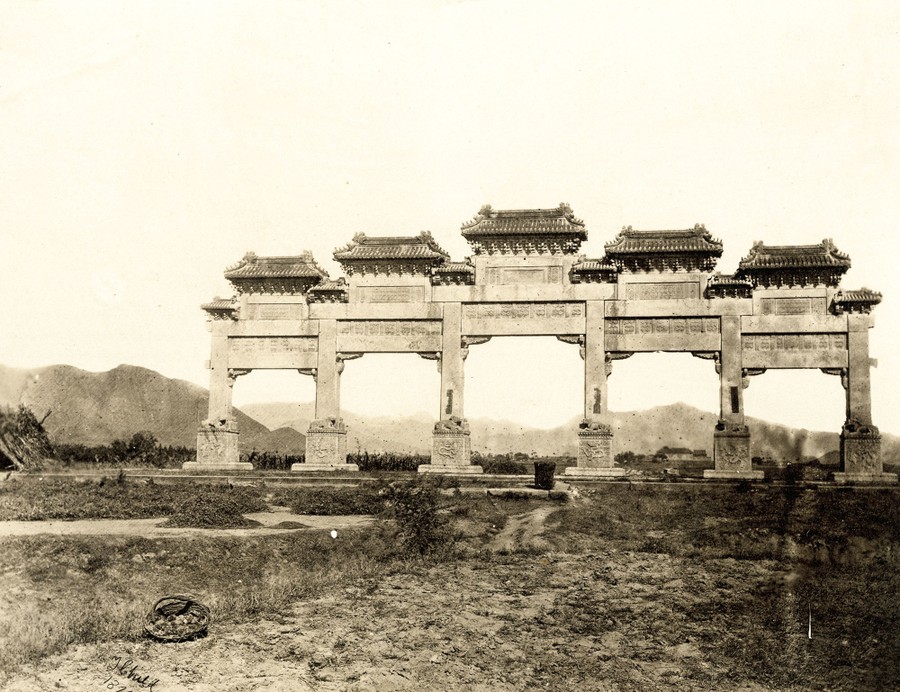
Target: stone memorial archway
{"x":651,"y":291}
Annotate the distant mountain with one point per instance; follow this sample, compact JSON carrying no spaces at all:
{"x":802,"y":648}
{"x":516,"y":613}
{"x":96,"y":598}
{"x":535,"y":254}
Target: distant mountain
{"x":95,"y":408}
{"x":643,"y":432}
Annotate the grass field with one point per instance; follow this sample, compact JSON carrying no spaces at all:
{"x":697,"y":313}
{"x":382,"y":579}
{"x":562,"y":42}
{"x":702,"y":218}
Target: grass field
{"x":624,"y":587}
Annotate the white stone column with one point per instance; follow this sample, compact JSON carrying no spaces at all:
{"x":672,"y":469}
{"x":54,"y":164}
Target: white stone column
{"x":860,"y":440}
{"x":731,"y":438}
{"x":451,"y":446}
{"x":595,"y":450}
{"x":326,"y":439}
{"x":218,"y":439}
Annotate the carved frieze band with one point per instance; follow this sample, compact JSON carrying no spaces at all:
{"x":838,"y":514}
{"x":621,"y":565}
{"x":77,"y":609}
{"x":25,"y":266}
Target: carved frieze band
{"x":272,"y":344}
{"x":513,"y":311}
{"x":793,"y":342}
{"x":389,"y":327}
{"x":663,"y":325}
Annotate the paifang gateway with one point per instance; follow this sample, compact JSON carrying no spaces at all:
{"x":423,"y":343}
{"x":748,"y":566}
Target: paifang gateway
{"x":651,"y":291}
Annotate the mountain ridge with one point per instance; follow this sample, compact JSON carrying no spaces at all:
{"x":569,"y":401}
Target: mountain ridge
{"x":94,"y":408}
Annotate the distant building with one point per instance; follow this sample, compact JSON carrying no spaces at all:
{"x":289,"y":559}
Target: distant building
{"x":682,"y":454}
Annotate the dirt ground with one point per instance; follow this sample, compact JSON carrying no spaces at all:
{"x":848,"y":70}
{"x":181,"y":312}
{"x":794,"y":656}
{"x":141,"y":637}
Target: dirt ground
{"x":499,"y":624}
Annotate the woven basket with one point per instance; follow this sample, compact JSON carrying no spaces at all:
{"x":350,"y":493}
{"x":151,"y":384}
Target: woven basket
{"x":177,"y":619}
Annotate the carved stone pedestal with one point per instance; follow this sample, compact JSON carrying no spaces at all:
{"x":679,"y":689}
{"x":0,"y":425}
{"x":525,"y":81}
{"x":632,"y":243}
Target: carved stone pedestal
{"x":451,"y":448}
{"x":731,"y":453}
{"x":217,"y":448}
{"x":861,"y":456}
{"x":595,"y":456}
{"x":326,"y":447}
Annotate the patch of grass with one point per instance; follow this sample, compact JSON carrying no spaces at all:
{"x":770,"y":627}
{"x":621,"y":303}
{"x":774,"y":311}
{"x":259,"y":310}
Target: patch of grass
{"x":362,"y":499}
{"x":33,"y":499}
{"x":209,"y":508}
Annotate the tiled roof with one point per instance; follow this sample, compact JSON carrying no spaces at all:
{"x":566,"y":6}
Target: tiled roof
{"x":696,"y":239}
{"x":219,"y":304}
{"x":862,"y":295}
{"x":593,"y":265}
{"x":825,"y":254}
{"x":329,"y":285}
{"x":418,"y":247}
{"x":494,"y":222}
{"x":254,"y":267}
{"x":454,"y":268}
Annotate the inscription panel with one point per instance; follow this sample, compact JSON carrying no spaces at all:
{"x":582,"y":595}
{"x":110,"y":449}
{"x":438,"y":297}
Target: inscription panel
{"x":276,"y":311}
{"x":272,"y":352}
{"x":662,"y":291}
{"x":524,"y":275}
{"x":792,"y":306}
{"x":663,"y":334}
{"x":497,"y":319}
{"x":794,"y":350}
{"x":391,"y":294}
{"x":389,"y":336}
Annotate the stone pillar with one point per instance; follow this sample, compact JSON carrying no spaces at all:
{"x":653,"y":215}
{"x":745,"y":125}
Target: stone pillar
{"x":451,"y":445}
{"x":860,"y":439}
{"x":731,"y":438}
{"x":595,"y":450}
{"x":217,"y":438}
{"x":326,"y":439}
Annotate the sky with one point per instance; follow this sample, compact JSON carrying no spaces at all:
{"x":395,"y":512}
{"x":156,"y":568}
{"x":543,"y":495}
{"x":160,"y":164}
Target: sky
{"x":146,"y":146}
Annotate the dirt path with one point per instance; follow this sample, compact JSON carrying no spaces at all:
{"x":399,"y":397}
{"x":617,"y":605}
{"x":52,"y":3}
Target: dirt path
{"x":522,"y":531}
{"x":272,"y":523}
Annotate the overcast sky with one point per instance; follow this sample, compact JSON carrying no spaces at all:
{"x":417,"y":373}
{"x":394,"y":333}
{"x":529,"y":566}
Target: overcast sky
{"x":146,"y":146}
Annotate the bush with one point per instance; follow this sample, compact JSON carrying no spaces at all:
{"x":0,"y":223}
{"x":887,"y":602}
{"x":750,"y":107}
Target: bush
{"x":362,"y":499}
{"x":211,"y":508}
{"x":387,"y":461}
{"x":422,"y":530}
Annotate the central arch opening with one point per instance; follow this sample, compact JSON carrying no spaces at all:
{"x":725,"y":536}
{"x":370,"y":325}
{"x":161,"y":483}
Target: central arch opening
{"x":390,"y":403}
{"x":664,"y":403}
{"x":524,"y":394}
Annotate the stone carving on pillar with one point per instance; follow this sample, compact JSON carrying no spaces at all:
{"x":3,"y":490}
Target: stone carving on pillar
{"x":234,"y":373}
{"x":710,"y":355}
{"x":310,"y":371}
{"x":341,"y":357}
{"x":467,"y":341}
{"x":595,"y":454}
{"x":731,"y":452}
{"x":433,"y":355}
{"x":861,"y":455}
{"x":615,"y":355}
{"x":574,"y":339}
{"x":747,"y":373}
{"x":326,"y":447}
{"x":841,"y":372}
{"x":451,"y":449}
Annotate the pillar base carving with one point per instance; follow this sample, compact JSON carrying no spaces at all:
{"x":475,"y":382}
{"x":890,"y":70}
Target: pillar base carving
{"x":451,"y":448}
{"x":595,"y":456}
{"x":326,"y":447}
{"x":731,"y":453}
{"x":217,"y":448}
{"x":861,"y":455}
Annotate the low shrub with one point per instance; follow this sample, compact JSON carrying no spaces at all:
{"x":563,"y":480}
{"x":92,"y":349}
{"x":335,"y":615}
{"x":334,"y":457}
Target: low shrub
{"x":215,"y":508}
{"x":422,"y":530}
{"x":362,"y":499}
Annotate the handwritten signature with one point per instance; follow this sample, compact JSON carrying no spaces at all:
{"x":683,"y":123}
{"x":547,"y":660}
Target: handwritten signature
{"x":128,"y":671}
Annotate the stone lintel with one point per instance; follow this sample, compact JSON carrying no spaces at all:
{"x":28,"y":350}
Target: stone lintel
{"x":884,"y":478}
{"x":469,"y":470}
{"x":587,"y":472}
{"x":327,"y":468}
{"x":217,"y":466}
{"x":734,"y":475}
